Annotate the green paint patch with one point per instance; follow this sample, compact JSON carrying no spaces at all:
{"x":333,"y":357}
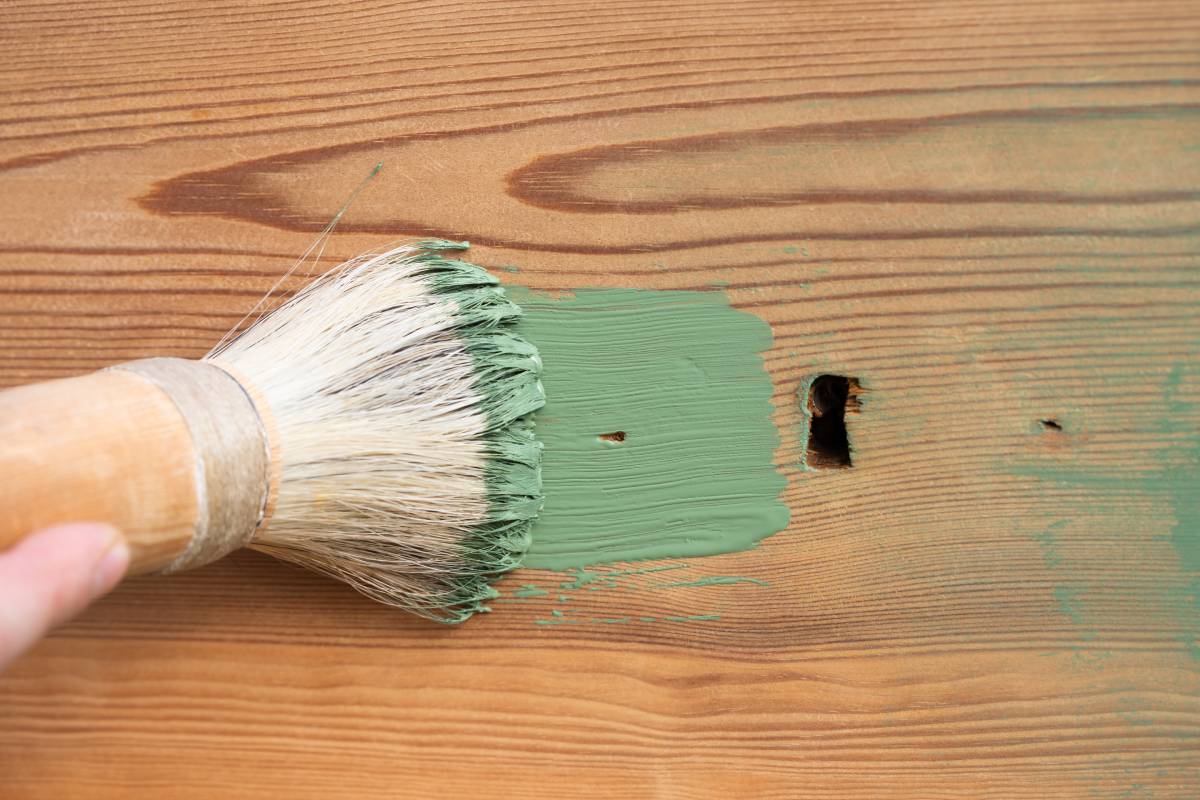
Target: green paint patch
{"x":530,"y":590}
{"x":680,"y":376}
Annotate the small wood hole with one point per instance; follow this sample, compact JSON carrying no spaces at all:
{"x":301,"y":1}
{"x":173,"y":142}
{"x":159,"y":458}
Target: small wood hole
{"x":616,"y":437}
{"x":830,"y":398}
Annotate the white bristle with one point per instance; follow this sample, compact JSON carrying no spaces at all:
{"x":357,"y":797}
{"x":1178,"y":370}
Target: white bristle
{"x":400,"y":397}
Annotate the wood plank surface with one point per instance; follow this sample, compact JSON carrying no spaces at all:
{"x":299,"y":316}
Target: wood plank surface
{"x":987,"y":212}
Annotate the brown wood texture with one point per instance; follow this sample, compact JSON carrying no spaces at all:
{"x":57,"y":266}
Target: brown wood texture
{"x":986,"y":212}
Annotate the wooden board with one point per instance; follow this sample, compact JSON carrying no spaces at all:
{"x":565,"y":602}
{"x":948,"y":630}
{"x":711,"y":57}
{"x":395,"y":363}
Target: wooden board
{"x":986,"y":212}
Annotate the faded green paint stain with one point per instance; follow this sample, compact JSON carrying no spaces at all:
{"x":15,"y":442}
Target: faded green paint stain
{"x":1181,"y":481}
{"x":1068,"y":603}
{"x":680,"y":375}
{"x":1173,"y":480}
{"x":530,"y":590}
{"x":1181,"y":477}
{"x":1048,"y":539}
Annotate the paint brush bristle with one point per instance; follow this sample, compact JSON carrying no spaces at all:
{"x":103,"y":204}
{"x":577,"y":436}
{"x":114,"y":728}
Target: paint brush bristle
{"x":400,"y":396}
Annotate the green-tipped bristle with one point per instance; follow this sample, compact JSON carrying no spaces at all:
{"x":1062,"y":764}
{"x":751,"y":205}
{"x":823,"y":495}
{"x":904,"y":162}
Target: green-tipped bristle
{"x":507,"y":369}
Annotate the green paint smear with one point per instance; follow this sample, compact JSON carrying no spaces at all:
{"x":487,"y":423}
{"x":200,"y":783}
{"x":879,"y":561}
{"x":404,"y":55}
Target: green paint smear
{"x":715,"y":580}
{"x":559,"y":619}
{"x":680,"y":374}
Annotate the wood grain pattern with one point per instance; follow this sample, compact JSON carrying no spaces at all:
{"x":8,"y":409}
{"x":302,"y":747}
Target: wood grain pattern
{"x":984,"y":211}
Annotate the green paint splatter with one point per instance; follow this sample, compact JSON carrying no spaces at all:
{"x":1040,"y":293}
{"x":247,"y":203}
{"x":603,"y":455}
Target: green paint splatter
{"x":530,"y":590}
{"x":680,"y":374}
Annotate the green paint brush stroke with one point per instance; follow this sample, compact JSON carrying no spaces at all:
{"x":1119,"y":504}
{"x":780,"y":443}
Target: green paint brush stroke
{"x":680,"y":374}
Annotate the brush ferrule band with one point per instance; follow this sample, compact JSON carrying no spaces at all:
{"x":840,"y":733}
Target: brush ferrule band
{"x":231,"y":454}
{"x":270,"y":434}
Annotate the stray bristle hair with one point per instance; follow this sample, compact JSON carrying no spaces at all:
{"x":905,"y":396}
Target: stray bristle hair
{"x":401,"y":395}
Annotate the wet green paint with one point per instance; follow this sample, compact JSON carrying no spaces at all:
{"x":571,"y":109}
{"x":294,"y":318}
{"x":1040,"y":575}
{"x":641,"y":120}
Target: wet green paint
{"x":681,"y":376}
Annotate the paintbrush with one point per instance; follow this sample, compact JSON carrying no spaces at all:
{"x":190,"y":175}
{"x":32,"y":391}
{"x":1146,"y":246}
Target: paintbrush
{"x":373,"y":428}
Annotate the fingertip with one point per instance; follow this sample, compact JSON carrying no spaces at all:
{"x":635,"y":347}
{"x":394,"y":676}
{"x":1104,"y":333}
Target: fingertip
{"x":79,"y":562}
{"x":52,"y":575}
{"x":112,"y":565}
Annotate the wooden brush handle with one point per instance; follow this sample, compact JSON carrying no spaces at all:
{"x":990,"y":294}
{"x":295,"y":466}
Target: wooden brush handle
{"x":106,"y":447}
{"x":171,"y":452}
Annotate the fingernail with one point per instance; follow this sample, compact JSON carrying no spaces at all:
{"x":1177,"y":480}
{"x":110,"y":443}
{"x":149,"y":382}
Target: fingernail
{"x":111,"y":567}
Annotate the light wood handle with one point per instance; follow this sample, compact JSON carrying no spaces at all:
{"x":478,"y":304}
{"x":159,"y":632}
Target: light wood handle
{"x":106,"y":447}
